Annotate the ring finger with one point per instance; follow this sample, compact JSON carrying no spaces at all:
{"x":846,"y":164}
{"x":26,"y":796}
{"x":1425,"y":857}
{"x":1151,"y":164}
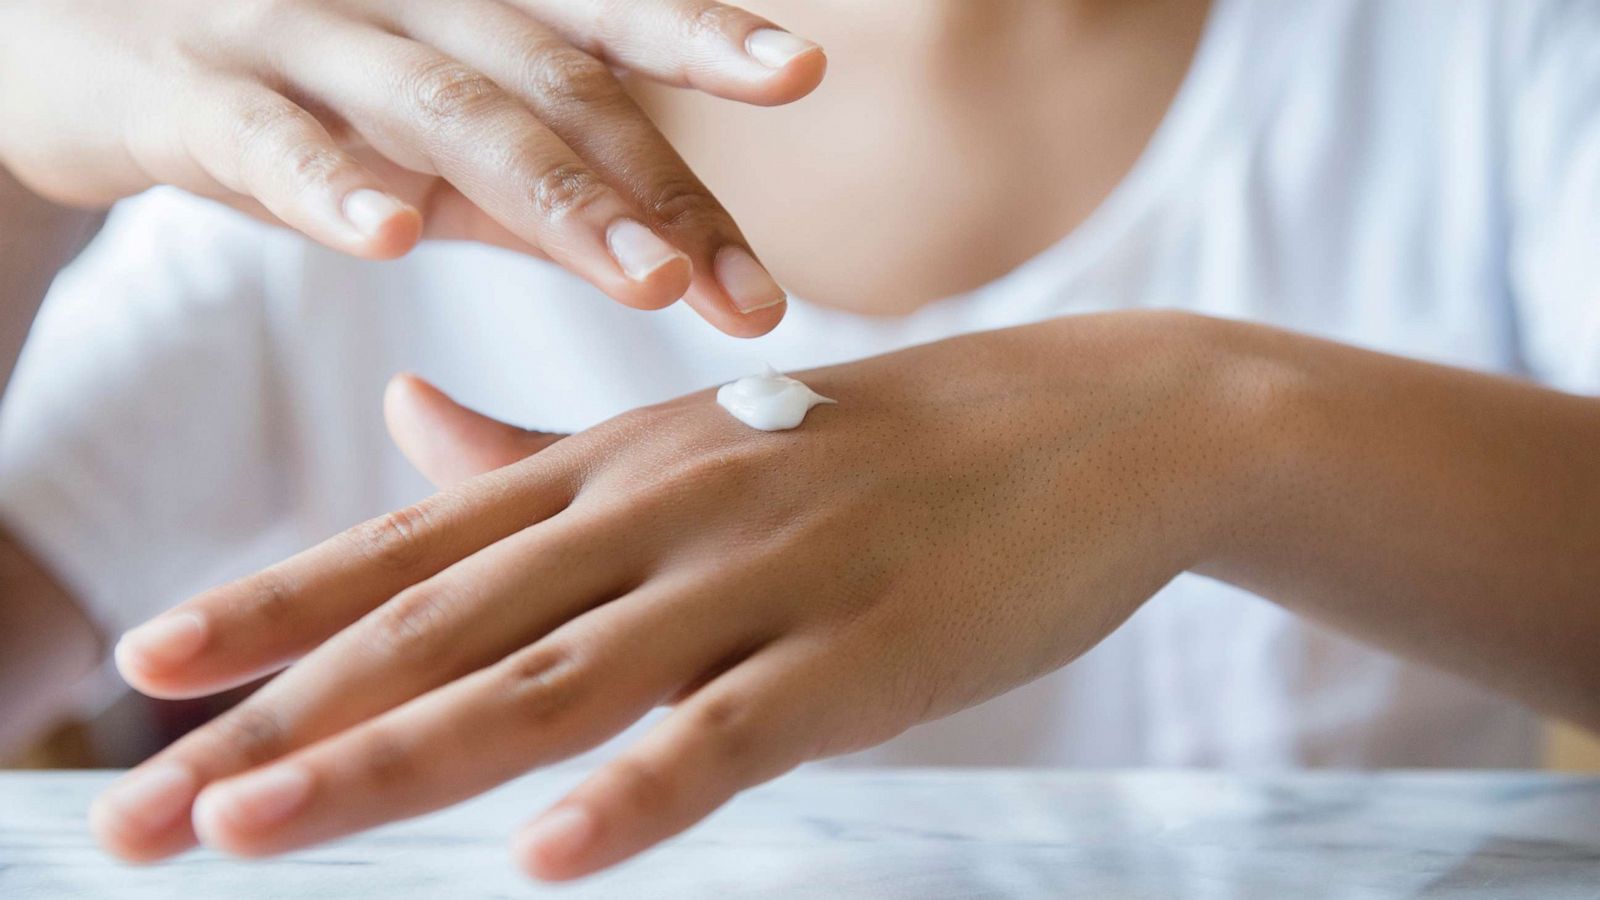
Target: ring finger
{"x":434,"y":114}
{"x":569,"y":692}
{"x":582,"y":102}
{"x":468,"y":616}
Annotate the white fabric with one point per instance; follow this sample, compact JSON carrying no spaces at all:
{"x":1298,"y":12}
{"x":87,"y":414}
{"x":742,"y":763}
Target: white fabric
{"x":202,"y":393}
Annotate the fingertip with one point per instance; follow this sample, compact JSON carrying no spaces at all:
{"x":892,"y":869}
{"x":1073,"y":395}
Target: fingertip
{"x":147,"y":655}
{"x":163,"y":687}
{"x":386,"y":227}
{"x":403,"y":388}
{"x":655,"y":273}
{"x":716,"y":307}
{"x":659,"y":289}
{"x":767,"y":66}
{"x":760,"y":322}
{"x":140,"y":818}
{"x":796,"y":79}
{"x":398,"y":236}
{"x":554,"y":847}
{"x":213,"y":829}
{"x":246,"y":815}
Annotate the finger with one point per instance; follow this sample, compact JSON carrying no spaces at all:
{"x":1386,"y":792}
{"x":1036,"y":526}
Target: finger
{"x":467,"y":617}
{"x":750,"y":725}
{"x":431,"y":113}
{"x":447,"y":442}
{"x":711,"y":47}
{"x":260,"y":145}
{"x":238,"y":632}
{"x":582,"y":684}
{"x":446,"y":214}
{"x":583,"y":103}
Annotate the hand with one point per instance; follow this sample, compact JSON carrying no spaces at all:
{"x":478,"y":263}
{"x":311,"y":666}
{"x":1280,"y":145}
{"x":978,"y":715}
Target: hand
{"x":971,"y":515}
{"x":498,"y":119}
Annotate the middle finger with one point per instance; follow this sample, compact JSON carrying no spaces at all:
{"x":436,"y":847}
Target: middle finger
{"x":562,"y":695}
{"x":583,"y":103}
{"x":432,"y":113}
{"x":467,"y":617}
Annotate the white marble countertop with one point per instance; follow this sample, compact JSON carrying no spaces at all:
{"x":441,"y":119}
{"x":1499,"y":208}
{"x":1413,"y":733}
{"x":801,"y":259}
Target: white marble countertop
{"x":918,"y":834}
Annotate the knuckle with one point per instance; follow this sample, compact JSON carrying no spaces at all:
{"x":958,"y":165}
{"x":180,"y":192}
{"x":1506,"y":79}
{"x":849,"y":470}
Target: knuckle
{"x":312,"y":165}
{"x":411,"y":625}
{"x":564,"y":189}
{"x":263,"y":123}
{"x":387,"y":760}
{"x":546,"y":683}
{"x":644,"y":787}
{"x":271,"y":598}
{"x":564,"y":77}
{"x":266,"y":596}
{"x":714,"y":20}
{"x":249,"y":732}
{"x":682,"y":201}
{"x":727,"y":726}
{"x":447,"y":92}
{"x":393,"y":540}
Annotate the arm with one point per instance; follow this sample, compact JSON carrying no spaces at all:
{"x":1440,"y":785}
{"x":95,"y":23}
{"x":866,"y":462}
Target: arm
{"x":1447,"y":516}
{"x":46,"y":641}
{"x":973,"y":514}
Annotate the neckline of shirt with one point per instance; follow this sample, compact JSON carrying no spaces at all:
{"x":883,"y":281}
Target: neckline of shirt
{"x":1211,"y":85}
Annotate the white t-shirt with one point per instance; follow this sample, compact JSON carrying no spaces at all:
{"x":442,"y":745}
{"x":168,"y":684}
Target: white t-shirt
{"x":201,"y":395}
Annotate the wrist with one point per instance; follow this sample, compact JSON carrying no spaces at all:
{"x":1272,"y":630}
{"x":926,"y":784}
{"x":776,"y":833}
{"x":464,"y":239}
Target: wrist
{"x":1187,"y":411}
{"x":1260,"y":410}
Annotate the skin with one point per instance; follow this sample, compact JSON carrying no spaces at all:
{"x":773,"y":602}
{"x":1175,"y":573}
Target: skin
{"x":1035,"y":69}
{"x":359,"y":122}
{"x":1051,"y":479}
{"x":800,"y":594}
{"x":1013,"y":120}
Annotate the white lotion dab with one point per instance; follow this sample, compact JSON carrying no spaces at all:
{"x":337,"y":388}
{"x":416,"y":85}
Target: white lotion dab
{"x":771,"y":401}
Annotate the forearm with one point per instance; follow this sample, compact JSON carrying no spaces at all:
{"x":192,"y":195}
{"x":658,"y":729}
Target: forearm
{"x":37,"y":239}
{"x":1448,"y":516}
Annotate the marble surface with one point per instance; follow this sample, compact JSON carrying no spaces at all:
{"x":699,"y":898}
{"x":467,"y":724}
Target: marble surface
{"x":919,"y":834}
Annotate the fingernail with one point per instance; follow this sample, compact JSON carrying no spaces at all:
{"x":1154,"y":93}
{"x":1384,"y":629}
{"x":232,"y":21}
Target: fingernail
{"x":775,"y":49}
{"x":638,"y":250}
{"x":149,"y":798}
{"x":746,"y":281}
{"x":167,"y":640}
{"x":560,"y":834}
{"x":368,"y":210}
{"x":253,"y":802}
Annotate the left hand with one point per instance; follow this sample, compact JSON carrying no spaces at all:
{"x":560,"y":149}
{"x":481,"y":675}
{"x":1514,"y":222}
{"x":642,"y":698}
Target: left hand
{"x":972,"y":515}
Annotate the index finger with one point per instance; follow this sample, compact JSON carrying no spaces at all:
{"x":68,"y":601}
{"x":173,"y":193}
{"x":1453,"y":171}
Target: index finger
{"x":236,"y":633}
{"x":712,"y":47}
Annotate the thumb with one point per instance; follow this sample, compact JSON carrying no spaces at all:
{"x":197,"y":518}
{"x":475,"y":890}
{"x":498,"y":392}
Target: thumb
{"x":447,"y":442}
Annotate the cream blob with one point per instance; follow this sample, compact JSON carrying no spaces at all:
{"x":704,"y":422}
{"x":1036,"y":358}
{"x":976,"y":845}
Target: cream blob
{"x":771,"y":401}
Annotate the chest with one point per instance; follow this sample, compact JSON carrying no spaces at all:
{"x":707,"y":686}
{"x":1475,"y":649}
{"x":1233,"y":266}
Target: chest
{"x":935,"y":158}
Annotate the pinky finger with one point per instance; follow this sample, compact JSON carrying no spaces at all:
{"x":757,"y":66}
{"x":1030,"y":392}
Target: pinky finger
{"x":747,"y":726}
{"x":262,"y":145}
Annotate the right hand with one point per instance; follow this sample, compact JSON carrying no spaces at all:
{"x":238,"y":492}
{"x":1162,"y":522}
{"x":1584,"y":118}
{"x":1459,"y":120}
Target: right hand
{"x":357,"y":121}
